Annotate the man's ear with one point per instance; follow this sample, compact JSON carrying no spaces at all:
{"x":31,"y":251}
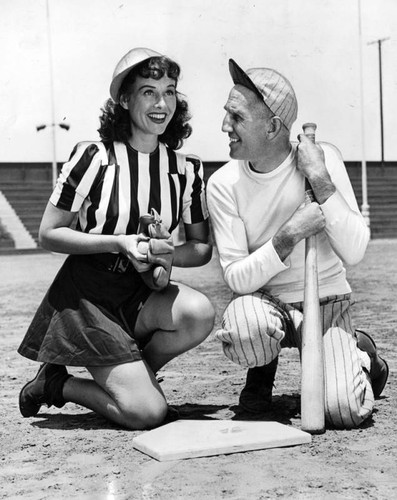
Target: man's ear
{"x":275,"y":126}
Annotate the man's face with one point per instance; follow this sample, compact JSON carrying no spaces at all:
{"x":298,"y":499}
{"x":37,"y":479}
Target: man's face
{"x":246,"y":122}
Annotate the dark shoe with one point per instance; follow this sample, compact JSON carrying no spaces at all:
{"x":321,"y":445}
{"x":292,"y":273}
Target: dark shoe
{"x":45,"y":388}
{"x":256,"y":396}
{"x":379,"y":368}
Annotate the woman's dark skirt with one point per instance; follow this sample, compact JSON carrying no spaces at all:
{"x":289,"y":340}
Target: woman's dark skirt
{"x":88,"y":315}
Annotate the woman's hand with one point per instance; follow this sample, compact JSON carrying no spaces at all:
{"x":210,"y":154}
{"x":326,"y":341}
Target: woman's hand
{"x":135,"y":247}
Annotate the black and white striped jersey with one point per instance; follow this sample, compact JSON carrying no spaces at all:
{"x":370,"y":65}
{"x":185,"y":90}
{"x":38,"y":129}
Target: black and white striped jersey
{"x":112,"y":186}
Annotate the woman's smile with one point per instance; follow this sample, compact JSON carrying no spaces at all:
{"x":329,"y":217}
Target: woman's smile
{"x":158,"y":118}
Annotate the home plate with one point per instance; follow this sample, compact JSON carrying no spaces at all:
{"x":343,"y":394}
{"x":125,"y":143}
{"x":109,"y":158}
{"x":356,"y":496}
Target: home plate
{"x":203,"y":438}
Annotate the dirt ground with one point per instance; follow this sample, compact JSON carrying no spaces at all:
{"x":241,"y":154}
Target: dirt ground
{"x":73,"y":453}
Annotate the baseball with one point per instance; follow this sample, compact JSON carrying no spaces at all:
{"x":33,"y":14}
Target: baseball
{"x":143,"y":247}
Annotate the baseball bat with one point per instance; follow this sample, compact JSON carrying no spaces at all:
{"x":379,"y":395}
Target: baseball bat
{"x":312,"y":384}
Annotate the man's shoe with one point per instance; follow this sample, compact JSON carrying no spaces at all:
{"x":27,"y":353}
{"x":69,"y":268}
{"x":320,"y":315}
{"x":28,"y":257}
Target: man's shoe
{"x":379,"y":368}
{"x":45,"y":388}
{"x":256,"y":396}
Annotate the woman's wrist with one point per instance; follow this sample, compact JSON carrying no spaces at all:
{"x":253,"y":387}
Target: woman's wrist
{"x":121,"y":243}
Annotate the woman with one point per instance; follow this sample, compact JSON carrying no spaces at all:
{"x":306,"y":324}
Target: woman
{"x":101,"y":311}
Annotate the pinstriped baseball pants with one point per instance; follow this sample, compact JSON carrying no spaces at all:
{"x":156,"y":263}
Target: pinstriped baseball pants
{"x":255,"y":327}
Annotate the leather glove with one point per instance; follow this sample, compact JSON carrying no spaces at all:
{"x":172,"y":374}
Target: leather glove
{"x":160,"y":251}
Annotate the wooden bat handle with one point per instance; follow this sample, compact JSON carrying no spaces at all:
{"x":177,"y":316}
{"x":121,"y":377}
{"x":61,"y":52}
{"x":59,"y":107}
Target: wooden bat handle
{"x":312,"y":386}
{"x":309,"y":129}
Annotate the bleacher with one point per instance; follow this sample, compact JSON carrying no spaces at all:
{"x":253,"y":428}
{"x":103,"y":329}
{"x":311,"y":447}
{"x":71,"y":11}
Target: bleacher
{"x":29,"y":200}
{"x":28,"y":188}
{"x":382,"y":196}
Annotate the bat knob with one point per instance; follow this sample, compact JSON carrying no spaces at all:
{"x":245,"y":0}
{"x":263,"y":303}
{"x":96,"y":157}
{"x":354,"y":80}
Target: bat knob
{"x":310,"y":125}
{"x":309,"y":129}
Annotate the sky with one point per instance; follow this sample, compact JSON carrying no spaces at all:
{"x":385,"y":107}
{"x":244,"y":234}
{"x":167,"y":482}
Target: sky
{"x":314,"y":43}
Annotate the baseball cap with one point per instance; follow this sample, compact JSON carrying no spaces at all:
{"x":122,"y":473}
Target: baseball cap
{"x":125,"y":65}
{"x":270,"y":86}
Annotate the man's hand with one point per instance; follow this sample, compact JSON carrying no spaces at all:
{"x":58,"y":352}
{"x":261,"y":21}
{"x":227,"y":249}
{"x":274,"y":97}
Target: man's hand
{"x":310,"y":158}
{"x":311,"y":163}
{"x":304,"y":222}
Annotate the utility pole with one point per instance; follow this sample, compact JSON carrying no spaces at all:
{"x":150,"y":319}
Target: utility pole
{"x":379,"y":42}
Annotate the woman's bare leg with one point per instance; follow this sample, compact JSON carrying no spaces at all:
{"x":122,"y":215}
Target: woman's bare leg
{"x":127,"y":394}
{"x":175,"y":320}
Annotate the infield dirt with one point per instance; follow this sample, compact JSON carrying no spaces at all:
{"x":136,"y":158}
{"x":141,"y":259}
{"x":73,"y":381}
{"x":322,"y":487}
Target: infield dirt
{"x":73,"y":453}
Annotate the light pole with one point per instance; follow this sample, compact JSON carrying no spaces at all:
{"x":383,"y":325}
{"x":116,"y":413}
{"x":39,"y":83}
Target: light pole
{"x":365,"y":205}
{"x":65,"y":126}
{"x":53,"y":125}
{"x":379,"y":42}
{"x":54,"y":161}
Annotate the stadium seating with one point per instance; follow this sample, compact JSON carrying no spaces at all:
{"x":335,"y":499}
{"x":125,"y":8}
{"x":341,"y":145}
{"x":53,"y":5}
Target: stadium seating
{"x":28,"y":199}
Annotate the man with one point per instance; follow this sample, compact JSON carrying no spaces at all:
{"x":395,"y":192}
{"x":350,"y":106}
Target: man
{"x":260,"y":223}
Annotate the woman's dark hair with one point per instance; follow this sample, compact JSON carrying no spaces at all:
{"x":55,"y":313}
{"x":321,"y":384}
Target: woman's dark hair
{"x":115,"y":120}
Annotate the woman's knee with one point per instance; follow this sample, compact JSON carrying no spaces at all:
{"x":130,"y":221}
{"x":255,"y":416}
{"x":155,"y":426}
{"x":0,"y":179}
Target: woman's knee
{"x":130,"y":395}
{"x":197,"y":317}
{"x":146,"y":413}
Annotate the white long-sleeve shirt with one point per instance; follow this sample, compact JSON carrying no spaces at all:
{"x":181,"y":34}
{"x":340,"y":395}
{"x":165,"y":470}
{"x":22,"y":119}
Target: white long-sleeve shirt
{"x":247,"y":209}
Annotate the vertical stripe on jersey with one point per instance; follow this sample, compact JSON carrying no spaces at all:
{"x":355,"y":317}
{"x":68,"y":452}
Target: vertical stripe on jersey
{"x":112,"y":213}
{"x":124,"y":183}
{"x":81,"y":166}
{"x":173,"y":166}
{"x":182,"y":187}
{"x":196,"y":207}
{"x":165,"y":203}
{"x":86,"y":183}
{"x":93,"y":202}
{"x":132,"y":166}
{"x":154,"y":175}
{"x":107,"y":185}
{"x":143,"y":183}
{"x":93,"y":188}
{"x":111,"y":154}
{"x":174,"y":191}
{"x":188,"y":192}
{"x":64,"y":195}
